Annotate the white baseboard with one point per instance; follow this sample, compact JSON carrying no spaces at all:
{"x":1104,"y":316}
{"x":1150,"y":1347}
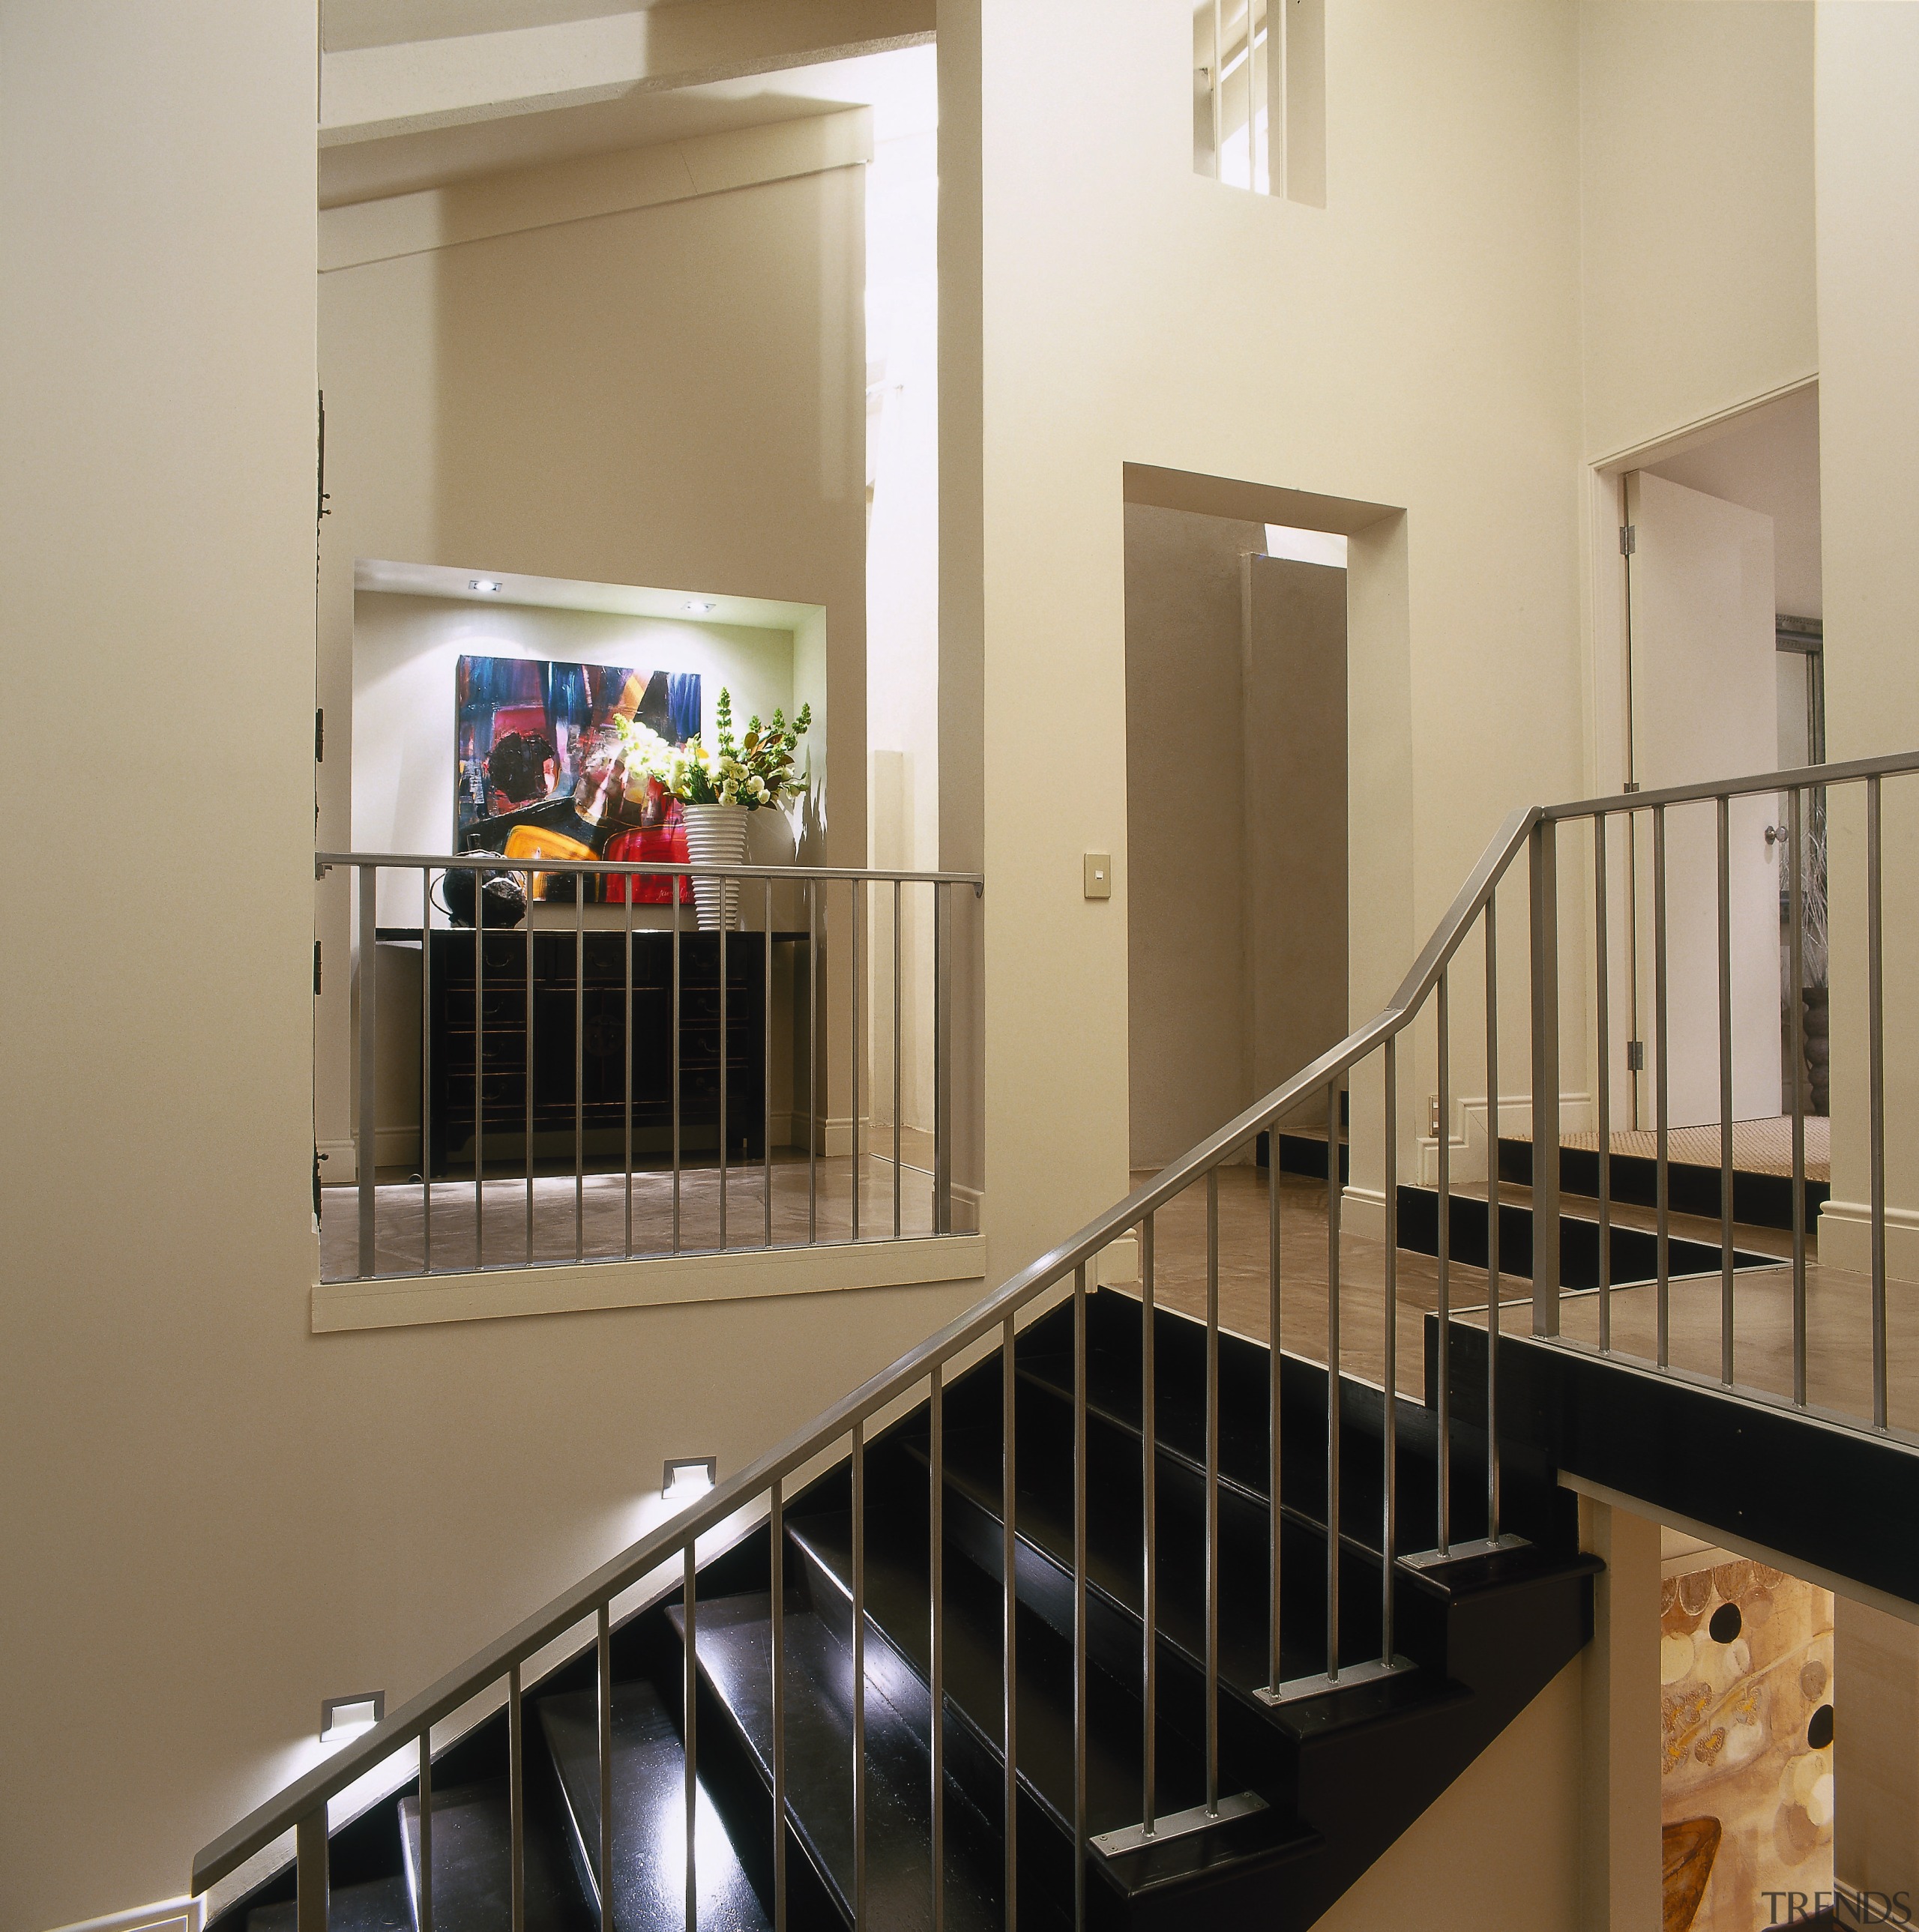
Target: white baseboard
{"x":167,"y":1915}
{"x":1468,"y":1160}
{"x":1845,"y":1240}
{"x":1362,"y":1211}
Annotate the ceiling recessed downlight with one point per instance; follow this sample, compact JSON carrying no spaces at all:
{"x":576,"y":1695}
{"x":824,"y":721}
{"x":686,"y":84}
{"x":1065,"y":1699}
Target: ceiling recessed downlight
{"x":489,"y":584}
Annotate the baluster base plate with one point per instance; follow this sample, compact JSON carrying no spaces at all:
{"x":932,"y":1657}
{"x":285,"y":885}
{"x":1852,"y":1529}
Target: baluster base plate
{"x":1296,"y":1688}
{"x":1176,"y":1824}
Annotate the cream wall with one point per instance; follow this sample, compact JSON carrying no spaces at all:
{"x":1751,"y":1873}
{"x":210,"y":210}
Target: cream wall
{"x":215,"y":1518}
{"x":1869,"y":396}
{"x":1413,"y":344}
{"x":156,"y":598}
{"x":1695,"y":134}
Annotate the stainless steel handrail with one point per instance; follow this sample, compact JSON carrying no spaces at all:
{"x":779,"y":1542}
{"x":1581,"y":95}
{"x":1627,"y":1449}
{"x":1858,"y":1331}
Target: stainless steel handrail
{"x":1532,"y":829}
{"x":661,"y":869}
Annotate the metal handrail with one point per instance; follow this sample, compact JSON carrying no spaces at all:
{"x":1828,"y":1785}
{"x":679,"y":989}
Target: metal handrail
{"x":1530,"y":828}
{"x":458,"y":1687}
{"x":496,"y":862}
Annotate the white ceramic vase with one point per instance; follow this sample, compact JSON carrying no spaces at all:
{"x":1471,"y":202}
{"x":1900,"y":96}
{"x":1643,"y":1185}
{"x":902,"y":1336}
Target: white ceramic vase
{"x":716,"y":836}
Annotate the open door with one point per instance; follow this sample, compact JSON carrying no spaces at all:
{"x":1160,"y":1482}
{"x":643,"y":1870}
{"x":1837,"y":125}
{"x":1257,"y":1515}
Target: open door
{"x":1705,"y":706}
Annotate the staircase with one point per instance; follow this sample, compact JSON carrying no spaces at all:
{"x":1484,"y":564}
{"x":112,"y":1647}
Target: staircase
{"x":1337,"y":1776}
{"x":1088,"y":1613}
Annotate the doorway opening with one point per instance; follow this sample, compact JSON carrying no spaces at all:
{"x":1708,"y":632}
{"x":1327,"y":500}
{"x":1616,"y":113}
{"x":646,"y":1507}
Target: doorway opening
{"x":1236,"y":815}
{"x":1721,"y":673}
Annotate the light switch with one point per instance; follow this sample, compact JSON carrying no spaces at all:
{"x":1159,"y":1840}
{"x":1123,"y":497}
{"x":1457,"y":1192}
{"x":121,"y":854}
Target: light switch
{"x":1099,"y":875}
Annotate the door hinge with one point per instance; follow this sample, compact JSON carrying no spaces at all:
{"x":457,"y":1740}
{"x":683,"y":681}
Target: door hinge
{"x":1628,"y":539}
{"x":1635,"y":1056}
{"x":315,"y":968}
{"x":320,"y":737}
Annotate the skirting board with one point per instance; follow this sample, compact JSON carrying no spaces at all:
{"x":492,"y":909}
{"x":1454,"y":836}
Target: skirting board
{"x":412,"y":1300}
{"x":1468,"y":1161}
{"x":1845,"y":1240}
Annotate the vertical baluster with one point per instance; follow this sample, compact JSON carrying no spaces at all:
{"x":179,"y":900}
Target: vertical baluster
{"x":1661,"y":1110}
{"x":897,"y":1083}
{"x":1492,"y":1214}
{"x":480,"y":1064}
{"x":1724,"y":869}
{"x":855,"y":956}
{"x":424,"y":1915}
{"x":527,"y":1068}
{"x":1273,"y":1381}
{"x":627,"y":1042}
{"x":1796,"y":1028}
{"x":1602,"y":972}
{"x":366,"y":1178}
{"x":677,"y":1027}
{"x":859,"y":1460}
{"x":777,"y":1615}
{"x":1212,"y":1490}
{"x":516,"y":1803}
{"x":426,"y":1068}
{"x":310,"y":1876}
{"x":1149,"y":1532}
{"x":1443,"y":1381}
{"x":689,"y":1694}
{"x":1333,"y":1403}
{"x":579,"y":1066}
{"x":726,"y":1059}
{"x":766,"y":1065}
{"x":1875,"y":1060}
{"x":936,"y":1591}
{"x":942,"y":1059}
{"x":603,"y":1688}
{"x":812,"y":1065}
{"x":1389,"y":1400}
{"x":1080,"y":1598}
{"x":1543,"y":868}
{"x":1009,"y":1639}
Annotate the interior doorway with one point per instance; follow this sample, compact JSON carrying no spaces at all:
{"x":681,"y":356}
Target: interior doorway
{"x":1720,"y":621}
{"x":1236,"y":813}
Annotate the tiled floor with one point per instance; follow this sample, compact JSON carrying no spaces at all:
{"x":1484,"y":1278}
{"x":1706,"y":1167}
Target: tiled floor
{"x":562,"y":1225}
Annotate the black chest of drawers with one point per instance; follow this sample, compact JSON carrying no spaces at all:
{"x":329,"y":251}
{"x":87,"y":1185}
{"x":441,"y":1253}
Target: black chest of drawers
{"x":567,"y":1073}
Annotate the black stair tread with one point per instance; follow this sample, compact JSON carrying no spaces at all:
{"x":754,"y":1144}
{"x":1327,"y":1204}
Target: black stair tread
{"x":649,"y":1814}
{"x":734,"y":1649}
{"x":1462,"y":1578}
{"x":897,"y":1601}
{"x":473,"y":1864}
{"x":1043,"y":1516}
{"x":377,"y":1905}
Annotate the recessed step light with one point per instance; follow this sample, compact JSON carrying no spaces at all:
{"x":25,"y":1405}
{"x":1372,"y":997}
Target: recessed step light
{"x":343,"y":1718}
{"x":689,"y":1476}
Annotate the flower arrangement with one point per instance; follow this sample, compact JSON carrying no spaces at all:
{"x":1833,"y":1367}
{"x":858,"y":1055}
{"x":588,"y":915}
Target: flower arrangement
{"x":754,"y":771}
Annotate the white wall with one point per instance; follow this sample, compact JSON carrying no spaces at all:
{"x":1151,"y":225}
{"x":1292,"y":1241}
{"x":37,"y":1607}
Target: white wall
{"x":1869,"y":395}
{"x":1413,"y":344}
{"x":1696,"y":216}
{"x":902,"y":588}
{"x":163,"y":1561}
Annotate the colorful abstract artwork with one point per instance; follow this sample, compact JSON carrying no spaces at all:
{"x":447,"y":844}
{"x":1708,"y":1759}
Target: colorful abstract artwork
{"x":530,"y":770}
{"x":1745,"y":1670}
